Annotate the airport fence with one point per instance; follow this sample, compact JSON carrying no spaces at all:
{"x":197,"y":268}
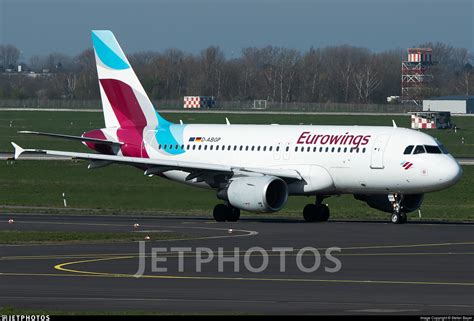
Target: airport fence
{"x":79,"y":104}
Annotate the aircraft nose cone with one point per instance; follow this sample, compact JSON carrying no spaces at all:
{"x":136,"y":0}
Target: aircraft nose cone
{"x":452,"y":172}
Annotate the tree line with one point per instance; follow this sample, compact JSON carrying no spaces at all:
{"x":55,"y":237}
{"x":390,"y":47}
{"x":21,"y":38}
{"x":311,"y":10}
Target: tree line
{"x":342,"y":74}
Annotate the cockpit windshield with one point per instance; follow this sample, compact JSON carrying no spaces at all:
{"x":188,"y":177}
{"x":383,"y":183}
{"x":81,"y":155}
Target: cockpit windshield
{"x":422,"y":149}
{"x":408,"y":150}
{"x":432,"y":149}
{"x":419,"y":149}
{"x":441,"y":147}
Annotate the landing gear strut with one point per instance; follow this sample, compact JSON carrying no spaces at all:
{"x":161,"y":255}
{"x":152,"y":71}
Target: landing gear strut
{"x":223,"y":212}
{"x":398,"y":216}
{"x":316,"y":212}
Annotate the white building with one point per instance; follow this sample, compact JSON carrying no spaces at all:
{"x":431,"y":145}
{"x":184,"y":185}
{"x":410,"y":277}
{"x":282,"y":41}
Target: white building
{"x":453,"y":104}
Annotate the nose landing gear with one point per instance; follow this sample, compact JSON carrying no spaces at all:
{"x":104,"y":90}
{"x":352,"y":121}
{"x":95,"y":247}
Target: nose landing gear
{"x":398,"y":216}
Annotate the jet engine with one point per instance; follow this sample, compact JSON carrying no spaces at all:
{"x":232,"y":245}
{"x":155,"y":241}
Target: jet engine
{"x":409,"y":203}
{"x":256,"y":194}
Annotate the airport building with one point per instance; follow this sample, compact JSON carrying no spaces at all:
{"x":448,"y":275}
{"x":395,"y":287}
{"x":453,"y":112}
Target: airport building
{"x":453,"y":104}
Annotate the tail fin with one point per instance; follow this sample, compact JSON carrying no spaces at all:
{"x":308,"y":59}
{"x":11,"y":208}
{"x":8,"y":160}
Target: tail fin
{"x":124,"y":101}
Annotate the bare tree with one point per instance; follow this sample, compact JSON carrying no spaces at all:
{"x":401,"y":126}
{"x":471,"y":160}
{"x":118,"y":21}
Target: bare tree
{"x":9,"y":55}
{"x":71,"y":80}
{"x":366,"y":80}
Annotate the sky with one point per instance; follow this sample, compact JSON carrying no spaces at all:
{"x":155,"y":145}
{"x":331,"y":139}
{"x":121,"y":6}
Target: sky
{"x":45,"y":26}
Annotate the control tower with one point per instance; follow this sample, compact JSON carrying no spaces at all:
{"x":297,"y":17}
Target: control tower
{"x":416,"y":75}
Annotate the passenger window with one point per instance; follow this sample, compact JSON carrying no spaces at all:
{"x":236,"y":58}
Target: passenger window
{"x":159,"y":146}
{"x":432,"y":149}
{"x":419,"y":149}
{"x":211,"y":147}
{"x":264,"y":148}
{"x":408,"y":150}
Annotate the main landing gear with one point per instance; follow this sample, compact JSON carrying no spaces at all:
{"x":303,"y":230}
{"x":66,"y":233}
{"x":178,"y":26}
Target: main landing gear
{"x":398,"y":216}
{"x":316,"y":212}
{"x":224,"y":212}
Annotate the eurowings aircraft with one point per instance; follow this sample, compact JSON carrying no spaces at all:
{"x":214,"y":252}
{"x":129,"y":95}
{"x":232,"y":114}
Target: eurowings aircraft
{"x":257,"y":167}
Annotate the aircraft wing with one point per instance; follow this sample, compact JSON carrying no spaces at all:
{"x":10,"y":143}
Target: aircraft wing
{"x":160,"y":164}
{"x":81,"y":138}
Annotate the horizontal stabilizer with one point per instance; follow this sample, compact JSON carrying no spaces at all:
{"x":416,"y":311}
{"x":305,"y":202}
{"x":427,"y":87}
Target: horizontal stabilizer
{"x":18,"y":150}
{"x":81,"y":138}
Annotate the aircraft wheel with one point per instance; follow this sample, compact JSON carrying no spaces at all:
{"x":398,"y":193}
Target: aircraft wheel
{"x":233,"y":215}
{"x":403,"y":218}
{"x":309,"y":213}
{"x":396,"y":218}
{"x":324,"y":212}
{"x":316,"y":213}
{"x":220,"y":212}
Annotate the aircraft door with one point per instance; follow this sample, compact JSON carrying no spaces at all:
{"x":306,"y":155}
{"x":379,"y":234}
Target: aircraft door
{"x":376,"y":158}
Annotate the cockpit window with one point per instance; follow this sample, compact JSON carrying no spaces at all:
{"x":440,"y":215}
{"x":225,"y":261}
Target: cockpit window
{"x":430,"y":149}
{"x":419,"y":149}
{"x":443,"y":149}
{"x":408,"y":150}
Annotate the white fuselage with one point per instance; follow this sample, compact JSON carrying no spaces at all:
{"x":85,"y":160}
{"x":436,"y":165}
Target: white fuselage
{"x":331,"y":159}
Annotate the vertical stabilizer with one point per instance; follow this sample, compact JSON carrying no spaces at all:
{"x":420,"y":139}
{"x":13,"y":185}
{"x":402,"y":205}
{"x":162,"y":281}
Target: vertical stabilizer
{"x":124,"y":101}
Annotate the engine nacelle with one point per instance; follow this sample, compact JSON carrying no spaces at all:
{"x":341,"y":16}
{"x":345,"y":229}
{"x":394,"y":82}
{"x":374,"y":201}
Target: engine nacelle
{"x":256,"y":194}
{"x":408,"y":204}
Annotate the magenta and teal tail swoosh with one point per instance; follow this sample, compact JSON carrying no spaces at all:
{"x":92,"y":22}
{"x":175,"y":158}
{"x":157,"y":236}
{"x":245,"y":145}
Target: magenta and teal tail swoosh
{"x":125,"y":102}
{"x":128,"y":112}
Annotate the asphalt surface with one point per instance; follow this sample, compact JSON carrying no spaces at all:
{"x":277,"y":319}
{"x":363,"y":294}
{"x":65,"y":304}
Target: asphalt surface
{"x":422,"y":269}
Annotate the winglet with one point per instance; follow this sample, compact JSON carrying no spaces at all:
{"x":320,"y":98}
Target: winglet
{"x":394,"y":124}
{"x":227,"y":121}
{"x":18,"y":150}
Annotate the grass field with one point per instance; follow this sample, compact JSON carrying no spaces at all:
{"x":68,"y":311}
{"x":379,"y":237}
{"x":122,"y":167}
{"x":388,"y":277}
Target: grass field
{"x":35,"y":237}
{"x":41,"y":183}
{"x":75,"y":123}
